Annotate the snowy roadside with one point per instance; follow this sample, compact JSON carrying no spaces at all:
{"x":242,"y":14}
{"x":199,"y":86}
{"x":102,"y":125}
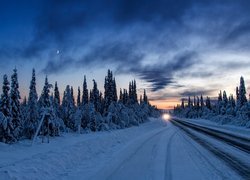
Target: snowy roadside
{"x":231,"y":129}
{"x":86,"y":153}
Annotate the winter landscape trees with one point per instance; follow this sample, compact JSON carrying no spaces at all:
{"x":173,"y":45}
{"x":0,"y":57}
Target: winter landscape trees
{"x":90,"y":111}
{"x":225,"y":110}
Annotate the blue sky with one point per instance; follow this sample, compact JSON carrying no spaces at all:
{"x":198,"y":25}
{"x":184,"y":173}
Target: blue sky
{"x":174,"y":48}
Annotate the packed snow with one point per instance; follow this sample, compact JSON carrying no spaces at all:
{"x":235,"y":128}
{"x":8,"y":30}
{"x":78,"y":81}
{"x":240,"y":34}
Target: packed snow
{"x":154,"y":150}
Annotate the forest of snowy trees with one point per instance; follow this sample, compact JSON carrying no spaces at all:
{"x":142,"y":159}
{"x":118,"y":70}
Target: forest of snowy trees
{"x":92,"y":111}
{"x":225,"y":110}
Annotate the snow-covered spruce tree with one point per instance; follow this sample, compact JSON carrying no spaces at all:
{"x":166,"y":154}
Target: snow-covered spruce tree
{"x":230,"y":108}
{"x":219,"y":104}
{"x":95,"y":96}
{"x":141,"y":101}
{"x":243,"y":107}
{"x":68,"y":108}
{"x":110,"y":93}
{"x":121,"y":96}
{"x":114,"y":90}
{"x":32,"y":112}
{"x":224,"y":103}
{"x":145,"y":97}
{"x":182,"y":103}
{"x":6,"y":127}
{"x":133,"y":92}
{"x":56,"y":100}
{"x":79,"y":97}
{"x":15,"y":105}
{"x":92,"y":117}
{"x":242,"y":93}
{"x":72,"y":95}
{"x":190,"y":104}
{"x":101,"y":103}
{"x":85,"y":116}
{"x":85,"y":93}
{"x":208,"y":103}
{"x":202,"y":102}
{"x":45,"y":107}
{"x":125,"y":97}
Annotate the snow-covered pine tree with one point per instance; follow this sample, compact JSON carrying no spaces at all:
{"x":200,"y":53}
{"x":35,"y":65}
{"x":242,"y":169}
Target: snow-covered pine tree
{"x":202,"y":102}
{"x":135,"y":99}
{"x":182,"y":103}
{"x":72,"y":95}
{"x":91,"y":97}
{"x":15,"y":105}
{"x":45,"y":107}
{"x":101,"y":104}
{"x":145,"y":97}
{"x":68,"y":108}
{"x":5,"y":99}
{"x":109,"y":90}
{"x":95,"y":94}
{"x":208,"y":103}
{"x":242,"y":92}
{"x":141,"y":101}
{"x":85,"y":93}
{"x":92,"y":120}
{"x":79,"y":97}
{"x":125,"y":100}
{"x":198,"y":103}
{"x":114,"y":90}
{"x":219,"y":104}
{"x":32,"y":117}
{"x":121,"y":96}
{"x":6,"y":127}
{"x":56,"y":100}
{"x":189,"y":102}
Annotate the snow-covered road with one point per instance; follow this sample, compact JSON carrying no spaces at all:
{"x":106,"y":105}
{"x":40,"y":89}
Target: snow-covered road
{"x":154,"y":150}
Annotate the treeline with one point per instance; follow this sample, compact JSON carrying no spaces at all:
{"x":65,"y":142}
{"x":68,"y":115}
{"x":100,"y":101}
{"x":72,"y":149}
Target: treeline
{"x":225,"y":110}
{"x":90,"y":111}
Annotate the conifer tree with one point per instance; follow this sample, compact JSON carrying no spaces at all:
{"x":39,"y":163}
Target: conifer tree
{"x":182,"y":104}
{"x":189,"y":102}
{"x":5,"y":99}
{"x":57,"y":100}
{"x":141,"y":101}
{"x":6,"y":127}
{"x":114,"y":90}
{"x":85,"y":93}
{"x":110,"y":93}
{"x":224,"y":98}
{"x":45,"y":97}
{"x":121,"y":96}
{"x":32,"y":118}
{"x":79,"y":97}
{"x":145,"y":97}
{"x":95,"y":96}
{"x":68,"y":108}
{"x":72,"y":95}
{"x":15,"y":104}
{"x":208,"y":103}
{"x":242,"y":93}
{"x":202,"y":102}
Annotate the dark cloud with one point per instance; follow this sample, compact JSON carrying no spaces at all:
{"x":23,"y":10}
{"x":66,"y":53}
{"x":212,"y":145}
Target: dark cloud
{"x":118,"y":54}
{"x":161,"y":75}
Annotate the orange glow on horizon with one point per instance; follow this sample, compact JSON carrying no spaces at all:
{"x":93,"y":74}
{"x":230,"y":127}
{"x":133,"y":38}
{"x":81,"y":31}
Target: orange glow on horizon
{"x":167,"y":104}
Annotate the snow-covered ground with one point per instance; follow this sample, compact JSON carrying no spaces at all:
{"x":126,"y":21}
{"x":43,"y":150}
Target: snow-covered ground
{"x":235,"y":130}
{"x":154,"y":150}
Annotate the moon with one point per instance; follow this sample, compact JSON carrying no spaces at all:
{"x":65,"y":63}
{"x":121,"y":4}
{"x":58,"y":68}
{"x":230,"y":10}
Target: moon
{"x":57,"y":52}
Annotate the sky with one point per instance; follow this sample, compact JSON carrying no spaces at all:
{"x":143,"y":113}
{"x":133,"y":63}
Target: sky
{"x":173,"y":48}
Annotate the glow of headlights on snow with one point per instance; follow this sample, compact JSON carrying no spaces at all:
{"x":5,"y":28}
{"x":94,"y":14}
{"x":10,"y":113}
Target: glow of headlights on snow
{"x":166,"y":117}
